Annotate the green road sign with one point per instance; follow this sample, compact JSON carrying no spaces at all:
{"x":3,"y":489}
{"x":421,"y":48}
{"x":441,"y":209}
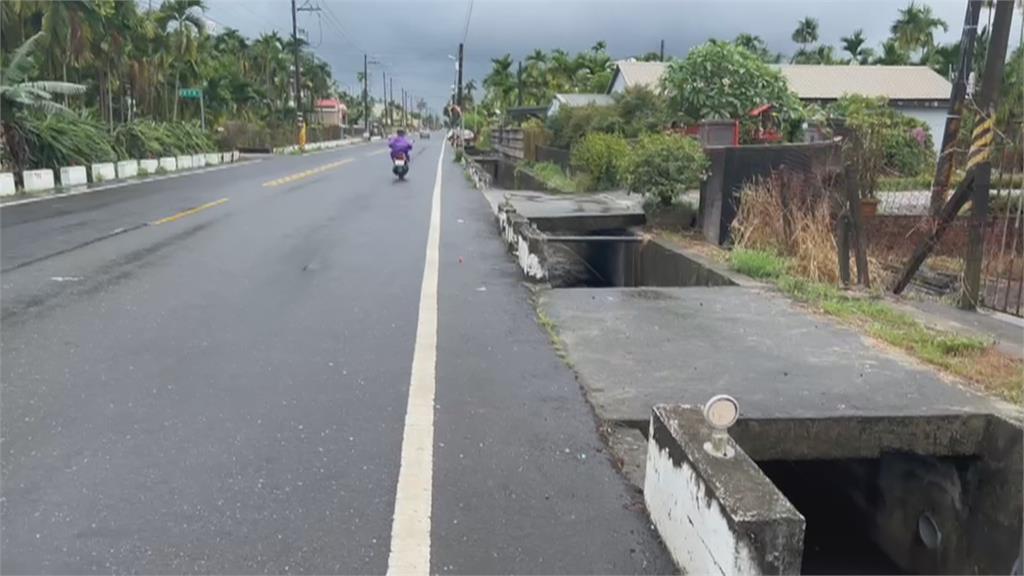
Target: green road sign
{"x":190,"y":92}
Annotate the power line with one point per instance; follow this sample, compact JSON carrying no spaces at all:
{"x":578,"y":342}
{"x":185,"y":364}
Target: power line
{"x":469,"y":16}
{"x":333,"y":18}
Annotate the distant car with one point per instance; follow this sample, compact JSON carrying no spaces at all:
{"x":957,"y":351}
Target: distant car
{"x":424,"y":134}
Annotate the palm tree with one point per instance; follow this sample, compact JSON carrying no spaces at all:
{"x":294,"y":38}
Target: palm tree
{"x":756,"y":46}
{"x":806,"y":32}
{"x":915,"y":27}
{"x":892,"y":55}
{"x":500,"y":83}
{"x":180,"y":16}
{"x":18,"y":93}
{"x":467,"y":94}
{"x":854,"y":46}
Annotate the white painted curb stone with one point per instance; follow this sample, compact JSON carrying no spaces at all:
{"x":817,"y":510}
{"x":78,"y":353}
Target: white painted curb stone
{"x":103,"y":171}
{"x":234,"y":156}
{"x":37,"y":179}
{"x":7,"y":184}
{"x":73,"y":176}
{"x":184,"y":162}
{"x":127,"y":168}
{"x":148,"y":166}
{"x":198,"y":160}
{"x":169,"y":163}
{"x":212,"y":159}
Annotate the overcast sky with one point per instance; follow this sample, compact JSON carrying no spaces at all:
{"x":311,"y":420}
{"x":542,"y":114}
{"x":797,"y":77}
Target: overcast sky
{"x":413,"y":38}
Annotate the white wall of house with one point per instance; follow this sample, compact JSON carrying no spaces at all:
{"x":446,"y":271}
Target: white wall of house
{"x":619,"y":86}
{"x":934,"y":117}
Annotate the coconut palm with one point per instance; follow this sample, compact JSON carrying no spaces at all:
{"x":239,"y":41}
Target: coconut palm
{"x":500,"y":83}
{"x":806,"y":32}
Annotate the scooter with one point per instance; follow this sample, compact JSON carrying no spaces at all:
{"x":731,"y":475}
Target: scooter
{"x":400,"y":166}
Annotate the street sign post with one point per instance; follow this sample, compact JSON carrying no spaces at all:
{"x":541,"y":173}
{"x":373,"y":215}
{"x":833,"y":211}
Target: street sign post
{"x":195,"y":94}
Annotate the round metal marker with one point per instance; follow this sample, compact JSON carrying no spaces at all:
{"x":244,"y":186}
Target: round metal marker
{"x":720,"y":412}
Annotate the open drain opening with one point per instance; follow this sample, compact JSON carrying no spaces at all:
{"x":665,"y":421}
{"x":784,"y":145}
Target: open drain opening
{"x":874,"y":516}
{"x":616,"y":258}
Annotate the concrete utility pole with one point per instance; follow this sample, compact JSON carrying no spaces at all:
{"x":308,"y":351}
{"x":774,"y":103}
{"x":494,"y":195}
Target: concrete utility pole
{"x":459,"y":94}
{"x":366,"y":96}
{"x":519,"y":84}
{"x":298,"y":69}
{"x":661,"y":52}
{"x":384,"y":81}
{"x":979,"y":156}
{"x":391,"y":100}
{"x":944,"y":166}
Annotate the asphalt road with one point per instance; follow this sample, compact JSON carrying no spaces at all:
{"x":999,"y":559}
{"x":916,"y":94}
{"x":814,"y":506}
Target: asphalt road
{"x":210,"y":373}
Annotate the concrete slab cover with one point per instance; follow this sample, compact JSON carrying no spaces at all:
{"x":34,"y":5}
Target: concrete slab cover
{"x":169,"y":164}
{"x":539,"y":204}
{"x":37,"y":179}
{"x":7,"y":184}
{"x":127,"y":168}
{"x":148,"y":166}
{"x":103,"y":171}
{"x":73,"y":176}
{"x":716,"y":515}
{"x":637,"y":347}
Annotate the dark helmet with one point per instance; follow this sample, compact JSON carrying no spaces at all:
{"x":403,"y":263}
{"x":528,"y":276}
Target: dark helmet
{"x":401,"y":132}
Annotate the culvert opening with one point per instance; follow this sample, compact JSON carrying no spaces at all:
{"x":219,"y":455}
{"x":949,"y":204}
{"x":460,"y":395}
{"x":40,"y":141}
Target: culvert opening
{"x":619,"y":258}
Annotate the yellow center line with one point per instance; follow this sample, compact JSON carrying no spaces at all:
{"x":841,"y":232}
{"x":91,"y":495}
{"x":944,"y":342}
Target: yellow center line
{"x":188,"y":212}
{"x":305,"y":174}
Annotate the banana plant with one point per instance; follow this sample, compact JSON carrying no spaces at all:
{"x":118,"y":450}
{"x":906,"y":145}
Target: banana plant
{"x":17,"y":92}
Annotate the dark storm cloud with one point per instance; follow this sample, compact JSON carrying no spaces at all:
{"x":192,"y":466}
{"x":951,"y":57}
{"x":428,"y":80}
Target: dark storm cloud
{"x":412,"y":39}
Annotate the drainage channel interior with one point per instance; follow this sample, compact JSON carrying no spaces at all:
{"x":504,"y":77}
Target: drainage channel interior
{"x":620,"y":258}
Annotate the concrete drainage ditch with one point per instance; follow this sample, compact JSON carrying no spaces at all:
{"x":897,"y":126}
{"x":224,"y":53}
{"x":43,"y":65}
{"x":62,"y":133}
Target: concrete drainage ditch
{"x":897,"y":488}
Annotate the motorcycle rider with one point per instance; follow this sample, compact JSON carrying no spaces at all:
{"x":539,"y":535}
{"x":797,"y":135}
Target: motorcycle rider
{"x":400,"y":145}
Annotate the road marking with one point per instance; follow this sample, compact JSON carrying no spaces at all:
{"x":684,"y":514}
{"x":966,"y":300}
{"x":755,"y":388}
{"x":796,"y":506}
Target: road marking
{"x":306,"y":174}
{"x":376,"y":152}
{"x":410,"y":527}
{"x":188,"y":212}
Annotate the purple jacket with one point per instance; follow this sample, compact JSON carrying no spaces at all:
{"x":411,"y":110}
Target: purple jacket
{"x":399,"y":145}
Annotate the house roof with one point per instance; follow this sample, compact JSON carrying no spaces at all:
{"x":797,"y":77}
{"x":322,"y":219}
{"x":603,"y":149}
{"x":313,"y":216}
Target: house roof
{"x":634,"y":73}
{"x":330,"y":103}
{"x":577,"y":100}
{"x":821,"y":82}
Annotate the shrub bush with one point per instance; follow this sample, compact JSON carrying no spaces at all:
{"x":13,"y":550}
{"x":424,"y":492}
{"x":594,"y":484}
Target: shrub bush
{"x":663,"y":166}
{"x":601,"y":158}
{"x":571,"y":124}
{"x":641,"y":110}
{"x":883,"y":141}
{"x":148,"y":139}
{"x":721,"y":80}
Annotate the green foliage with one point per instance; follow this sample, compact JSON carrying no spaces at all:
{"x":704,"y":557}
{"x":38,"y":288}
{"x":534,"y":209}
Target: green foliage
{"x":641,"y":110}
{"x":65,"y":140}
{"x":663,"y":166}
{"x":882,"y":141}
{"x":601,"y":158}
{"x":552,"y":176}
{"x":718,"y":80}
{"x":572,"y":124}
{"x":759,"y":264}
{"x":148,"y":139}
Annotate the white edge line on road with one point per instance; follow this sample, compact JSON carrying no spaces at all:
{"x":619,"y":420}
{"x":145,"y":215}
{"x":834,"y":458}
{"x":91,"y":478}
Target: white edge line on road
{"x":410,"y":527}
{"x":131,"y":183}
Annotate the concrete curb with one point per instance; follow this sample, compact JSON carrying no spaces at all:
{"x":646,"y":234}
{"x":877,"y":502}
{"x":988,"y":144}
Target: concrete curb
{"x":316,"y":146}
{"x":118,"y":173}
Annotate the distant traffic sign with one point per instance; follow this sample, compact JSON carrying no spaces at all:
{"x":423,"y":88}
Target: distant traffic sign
{"x":190,"y":93}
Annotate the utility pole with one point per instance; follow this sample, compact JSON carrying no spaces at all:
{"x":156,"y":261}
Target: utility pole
{"x":366,"y":96}
{"x":519,"y":85}
{"x":661,"y":53}
{"x":298,"y":72}
{"x":460,"y":77}
{"x":391,"y":100}
{"x":944,"y":165}
{"x":384,"y":93}
{"x":979,"y":155}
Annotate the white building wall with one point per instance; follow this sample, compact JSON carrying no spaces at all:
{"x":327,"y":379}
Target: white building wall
{"x":934,"y":117}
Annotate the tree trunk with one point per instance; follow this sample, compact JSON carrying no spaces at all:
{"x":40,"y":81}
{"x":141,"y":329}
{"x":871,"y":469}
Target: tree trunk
{"x":177,"y":85}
